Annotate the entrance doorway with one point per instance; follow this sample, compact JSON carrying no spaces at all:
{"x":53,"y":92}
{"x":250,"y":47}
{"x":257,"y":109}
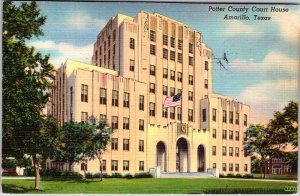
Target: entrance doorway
{"x":182,"y":155}
{"x":161,"y":156}
{"x":201,"y":158}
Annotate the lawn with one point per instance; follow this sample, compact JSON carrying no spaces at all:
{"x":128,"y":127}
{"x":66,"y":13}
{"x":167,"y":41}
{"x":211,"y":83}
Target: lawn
{"x":146,"y":185}
{"x":277,"y":177}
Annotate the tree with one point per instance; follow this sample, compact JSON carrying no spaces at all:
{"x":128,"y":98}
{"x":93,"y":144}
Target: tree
{"x":99,"y":142}
{"x":26,"y":81}
{"x":258,"y":143}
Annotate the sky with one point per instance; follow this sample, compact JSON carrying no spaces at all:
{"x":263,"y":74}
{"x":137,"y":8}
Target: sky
{"x":263,"y":54}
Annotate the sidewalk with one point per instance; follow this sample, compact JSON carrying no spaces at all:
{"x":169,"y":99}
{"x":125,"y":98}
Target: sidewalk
{"x":16,"y":178}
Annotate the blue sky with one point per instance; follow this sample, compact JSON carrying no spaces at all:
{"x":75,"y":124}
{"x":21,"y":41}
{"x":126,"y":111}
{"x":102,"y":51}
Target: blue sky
{"x":263,"y":55}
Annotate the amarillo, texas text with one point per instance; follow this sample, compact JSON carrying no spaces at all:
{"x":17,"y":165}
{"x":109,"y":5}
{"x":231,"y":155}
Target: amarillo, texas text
{"x":259,"y":12}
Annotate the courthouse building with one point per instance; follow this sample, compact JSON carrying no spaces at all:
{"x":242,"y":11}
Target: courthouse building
{"x":137,"y":62}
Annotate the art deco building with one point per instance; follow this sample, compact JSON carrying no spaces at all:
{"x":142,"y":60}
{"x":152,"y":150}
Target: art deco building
{"x":138,"y":62}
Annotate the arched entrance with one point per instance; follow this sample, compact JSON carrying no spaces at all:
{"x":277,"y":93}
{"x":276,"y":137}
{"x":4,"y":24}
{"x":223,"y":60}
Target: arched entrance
{"x":201,"y":158}
{"x":182,"y":158}
{"x":161,"y":156}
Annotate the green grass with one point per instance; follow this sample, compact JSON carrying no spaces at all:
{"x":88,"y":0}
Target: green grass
{"x":277,"y":177}
{"x":113,"y":185}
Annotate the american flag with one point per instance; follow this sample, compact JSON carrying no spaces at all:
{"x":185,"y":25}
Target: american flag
{"x":173,"y":101}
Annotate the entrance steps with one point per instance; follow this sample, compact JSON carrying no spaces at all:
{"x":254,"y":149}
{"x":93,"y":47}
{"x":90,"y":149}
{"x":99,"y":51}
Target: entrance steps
{"x":186,"y":175}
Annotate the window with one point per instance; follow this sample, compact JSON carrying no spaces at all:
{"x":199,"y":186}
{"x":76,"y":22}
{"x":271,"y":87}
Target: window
{"x":230,"y":167}
{"x":231,"y":135}
{"x":237,"y":167}
{"x":141,"y":145}
{"x":245,"y":120}
{"x":132,"y":44}
{"x":105,"y":46}
{"x":172,"y":55}
{"x":165,"y":73}
{"x":100,"y":51}
{"x":237,"y":118}
{"x":179,"y":76}
{"x":237,"y":136}
{"x":231,"y":117}
{"x":191,"y":60}
{"x":214,"y":150}
{"x":152,"y":70}
{"x":104,"y":60}
{"x":115,"y":98}
{"x":191,"y":80}
{"x":191,"y":115}
{"x":179,"y":113}
{"x":114,"y":49}
{"x":84,"y":93}
{"x":102,"y":96}
{"x":231,"y":151}
{"x":164,"y":112}
{"x":179,"y":90}
{"x":125,"y":165}
{"x":114,"y":143}
{"x":204,"y":115}
{"x":114,"y":122}
{"x":172,"y":75}
{"x":152,"y":49}
{"x":214,"y":165}
{"x":152,"y":36}
{"x":165,"y":53}
{"x":214,"y":114}
{"x":141,"y":125}
{"x":84,"y":117}
{"x":141,"y":166}
{"x":206,"y":83}
{"x":206,"y":65}
{"x":172,"y":113}
{"x":152,"y":109}
{"x":179,"y":57}
{"x":126,"y":123}
{"x":245,"y":168}
{"x":131,"y":67}
{"x":103,"y":165}
{"x":165,"y":90}
{"x":126,"y":100}
{"x":152,"y":88}
{"x":237,"y":151}
{"x":172,"y":91}
{"x":126,"y":144}
{"x":172,"y":42}
{"x":224,"y":134}
{"x":224,"y":151}
{"x":224,"y":167}
{"x":141,"y":104}
{"x":165,"y":40}
{"x":102,"y":117}
{"x":191,"y":48}
{"x":214,"y":133}
{"x":180,"y":44}
{"x":191,"y":95}
{"x":83,"y":166}
{"x":114,"y":165}
{"x":224,"y":116}
{"x":114,"y":35}
{"x":108,"y":39}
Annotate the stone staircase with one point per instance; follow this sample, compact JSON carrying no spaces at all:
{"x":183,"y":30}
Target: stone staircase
{"x":186,"y":175}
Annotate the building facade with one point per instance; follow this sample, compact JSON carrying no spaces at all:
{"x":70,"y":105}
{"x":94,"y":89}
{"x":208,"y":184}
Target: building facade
{"x":137,"y":63}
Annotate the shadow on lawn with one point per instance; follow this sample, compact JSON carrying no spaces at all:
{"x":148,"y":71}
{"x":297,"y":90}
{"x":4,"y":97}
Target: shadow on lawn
{"x":11,"y":188}
{"x":70,"y":180}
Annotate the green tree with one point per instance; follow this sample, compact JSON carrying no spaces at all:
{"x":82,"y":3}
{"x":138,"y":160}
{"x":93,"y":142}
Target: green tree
{"x":26,"y":81}
{"x":258,"y":143}
{"x":101,"y":137}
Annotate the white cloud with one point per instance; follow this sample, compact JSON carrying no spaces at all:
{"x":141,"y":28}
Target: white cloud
{"x":289,"y":25}
{"x":273,"y":62}
{"x":65,"y":51}
{"x":266,"y":97}
{"x":82,"y":20}
{"x":235,"y":28}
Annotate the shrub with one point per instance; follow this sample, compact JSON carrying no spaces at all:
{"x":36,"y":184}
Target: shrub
{"x":128,"y":176}
{"x":238,"y":176}
{"x":29,"y":171}
{"x":143,"y":175}
{"x":96,"y":175}
{"x":221,"y":175}
{"x":230,"y":175}
{"x":248,"y":176}
{"x":88,"y":175}
{"x":116,"y":175}
{"x":59,"y":174}
{"x":105,"y":175}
